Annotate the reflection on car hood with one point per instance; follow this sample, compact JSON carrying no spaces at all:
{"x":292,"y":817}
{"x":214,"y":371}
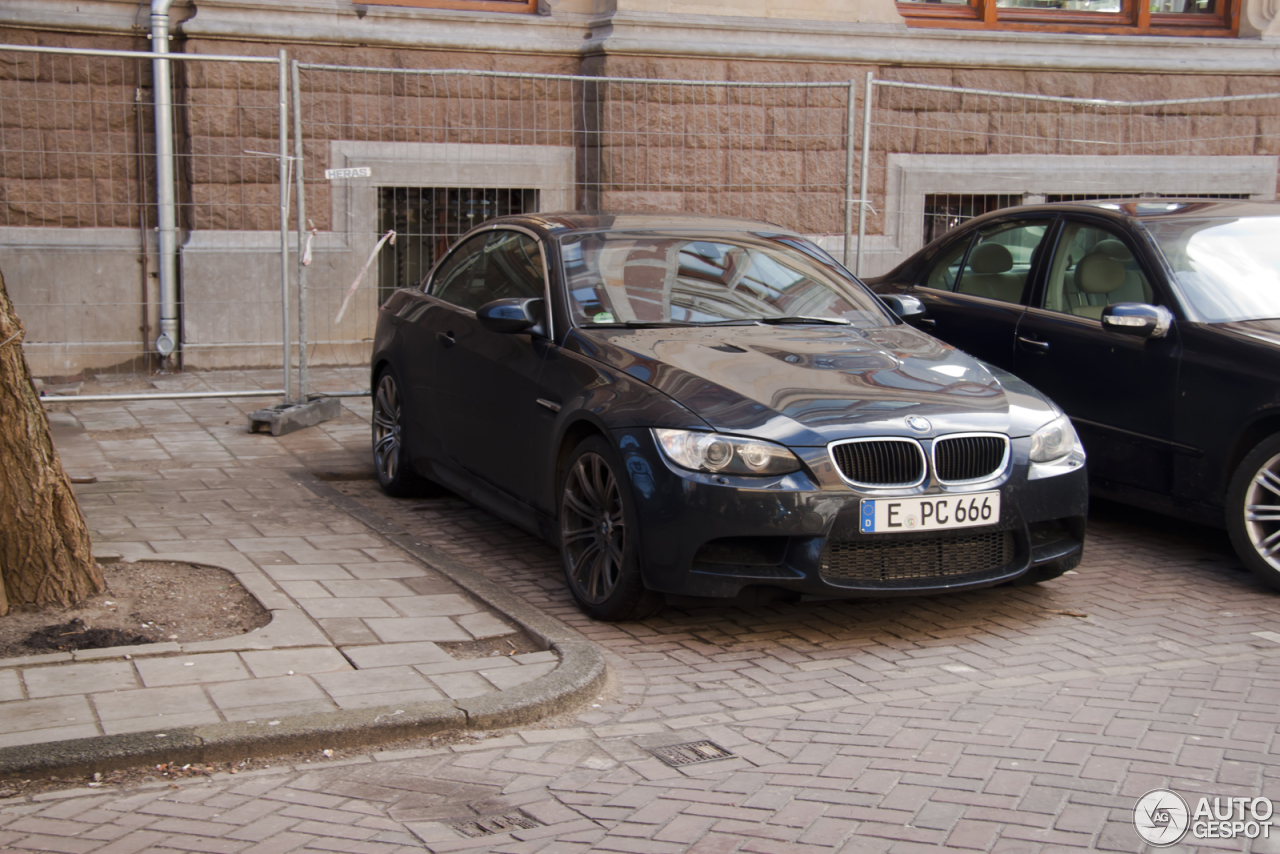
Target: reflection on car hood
{"x":808,"y":385}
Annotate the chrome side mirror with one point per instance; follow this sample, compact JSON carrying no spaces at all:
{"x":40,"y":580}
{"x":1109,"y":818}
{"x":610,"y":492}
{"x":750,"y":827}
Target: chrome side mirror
{"x":907,"y":308}
{"x":512,"y":315}
{"x":1137,"y":319}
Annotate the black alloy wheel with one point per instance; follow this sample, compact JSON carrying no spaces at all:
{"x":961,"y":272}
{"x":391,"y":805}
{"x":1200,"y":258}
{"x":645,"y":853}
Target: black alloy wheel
{"x":599,"y":537}
{"x":1253,"y":511}
{"x":390,"y":456}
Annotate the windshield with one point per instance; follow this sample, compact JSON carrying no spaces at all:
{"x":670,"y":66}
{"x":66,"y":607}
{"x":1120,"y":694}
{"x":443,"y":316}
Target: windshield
{"x":621,"y":278}
{"x":1227,"y":269}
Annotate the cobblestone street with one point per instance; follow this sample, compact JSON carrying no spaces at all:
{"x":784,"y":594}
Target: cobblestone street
{"x":1011,"y":719}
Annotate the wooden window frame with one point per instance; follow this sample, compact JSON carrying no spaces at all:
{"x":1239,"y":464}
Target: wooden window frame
{"x":1135,"y":18}
{"x":525,"y":7}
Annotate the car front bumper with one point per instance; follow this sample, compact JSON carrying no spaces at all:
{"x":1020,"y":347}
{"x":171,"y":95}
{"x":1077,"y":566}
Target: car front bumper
{"x":712,"y":535}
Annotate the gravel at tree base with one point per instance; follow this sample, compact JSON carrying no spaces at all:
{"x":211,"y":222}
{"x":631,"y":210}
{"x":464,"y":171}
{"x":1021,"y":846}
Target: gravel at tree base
{"x":145,"y":602}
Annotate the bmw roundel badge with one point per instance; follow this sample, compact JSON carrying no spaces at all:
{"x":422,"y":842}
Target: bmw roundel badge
{"x":918,"y":424}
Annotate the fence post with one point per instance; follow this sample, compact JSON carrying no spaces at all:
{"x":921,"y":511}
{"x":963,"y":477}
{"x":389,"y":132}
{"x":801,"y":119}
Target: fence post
{"x":863,"y":199}
{"x":300,"y":185}
{"x":848,"y":172}
{"x":284,"y":223}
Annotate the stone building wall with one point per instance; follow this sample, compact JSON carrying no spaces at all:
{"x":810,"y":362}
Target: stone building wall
{"x":75,"y":137}
{"x":76,"y":142}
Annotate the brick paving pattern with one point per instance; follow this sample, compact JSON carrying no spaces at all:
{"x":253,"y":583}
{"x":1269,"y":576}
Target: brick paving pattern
{"x":355,"y":623}
{"x":1009,"y":720}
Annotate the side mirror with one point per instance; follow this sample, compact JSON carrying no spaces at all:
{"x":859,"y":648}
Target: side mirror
{"x":1137,"y":319}
{"x":908,"y":308}
{"x":512,"y":315}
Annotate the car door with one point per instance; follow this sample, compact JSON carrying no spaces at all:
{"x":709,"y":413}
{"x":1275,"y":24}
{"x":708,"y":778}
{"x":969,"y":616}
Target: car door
{"x":974,"y":290}
{"x":1119,"y":390}
{"x":485,"y":382}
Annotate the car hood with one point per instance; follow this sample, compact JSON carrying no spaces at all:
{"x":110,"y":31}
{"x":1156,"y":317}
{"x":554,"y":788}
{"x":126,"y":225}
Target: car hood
{"x":809,"y":385}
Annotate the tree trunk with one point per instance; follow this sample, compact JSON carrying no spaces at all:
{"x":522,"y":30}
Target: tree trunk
{"x":45,"y":554}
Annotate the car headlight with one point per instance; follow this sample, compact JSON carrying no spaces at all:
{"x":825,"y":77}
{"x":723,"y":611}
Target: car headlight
{"x":1054,"y":441}
{"x":728,"y":454}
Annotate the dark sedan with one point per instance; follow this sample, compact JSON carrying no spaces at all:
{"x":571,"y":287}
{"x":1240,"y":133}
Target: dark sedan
{"x":692,"y":407}
{"x":1154,"y":324}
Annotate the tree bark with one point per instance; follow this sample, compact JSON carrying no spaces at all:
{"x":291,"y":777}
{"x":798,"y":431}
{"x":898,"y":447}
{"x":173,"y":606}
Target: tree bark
{"x":45,"y":554}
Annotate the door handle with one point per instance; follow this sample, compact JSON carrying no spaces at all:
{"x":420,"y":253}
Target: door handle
{"x":1033,"y":344}
{"x":446,"y":338}
{"x":927,"y":321}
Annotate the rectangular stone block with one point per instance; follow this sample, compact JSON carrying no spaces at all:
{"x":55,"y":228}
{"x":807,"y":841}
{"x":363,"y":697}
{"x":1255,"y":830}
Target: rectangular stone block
{"x":395,"y":654}
{"x":1224,"y":136}
{"x":379,"y":680}
{"x":263,"y":692}
{"x":821,"y":213}
{"x":65,"y":679}
{"x":408,"y":629}
{"x":191,"y":669}
{"x":1023,"y":133}
{"x":952,"y":133}
{"x":151,"y":702}
{"x":1163,"y":87}
{"x":49,"y":713}
{"x":749,"y":170}
{"x":896,"y":98}
{"x":225,"y":160}
{"x":443,"y":605}
{"x":731,"y":126}
{"x":1091,"y":133}
{"x":808,"y":129}
{"x":285,"y":662}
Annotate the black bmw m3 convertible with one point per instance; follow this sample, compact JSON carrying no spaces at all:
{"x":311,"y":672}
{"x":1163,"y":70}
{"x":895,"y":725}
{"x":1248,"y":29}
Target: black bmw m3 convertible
{"x":692,"y":407}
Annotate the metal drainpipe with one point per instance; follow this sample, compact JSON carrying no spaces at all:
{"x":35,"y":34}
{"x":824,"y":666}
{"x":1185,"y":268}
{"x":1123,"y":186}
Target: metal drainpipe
{"x":166,"y":202}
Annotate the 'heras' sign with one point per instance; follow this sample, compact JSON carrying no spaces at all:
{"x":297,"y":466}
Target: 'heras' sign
{"x":355,"y":172}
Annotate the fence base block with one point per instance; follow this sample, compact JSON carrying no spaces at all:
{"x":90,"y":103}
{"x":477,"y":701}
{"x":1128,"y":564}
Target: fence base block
{"x":288,"y":417}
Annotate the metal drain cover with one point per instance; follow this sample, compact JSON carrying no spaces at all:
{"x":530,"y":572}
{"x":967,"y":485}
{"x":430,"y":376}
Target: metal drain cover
{"x":691,"y":753}
{"x":489,"y":825}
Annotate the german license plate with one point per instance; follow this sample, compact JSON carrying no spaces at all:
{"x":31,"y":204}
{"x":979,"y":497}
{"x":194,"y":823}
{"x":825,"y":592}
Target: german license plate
{"x":932,"y":513}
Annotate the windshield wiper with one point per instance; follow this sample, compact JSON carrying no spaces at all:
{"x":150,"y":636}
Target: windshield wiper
{"x":800,"y":318}
{"x":660,"y":324}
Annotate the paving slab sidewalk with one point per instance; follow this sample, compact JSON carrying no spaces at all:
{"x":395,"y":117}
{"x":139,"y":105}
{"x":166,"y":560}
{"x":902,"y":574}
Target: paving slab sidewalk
{"x":368,"y":626}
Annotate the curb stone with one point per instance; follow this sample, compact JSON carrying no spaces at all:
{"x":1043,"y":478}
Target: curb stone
{"x":578,"y":676}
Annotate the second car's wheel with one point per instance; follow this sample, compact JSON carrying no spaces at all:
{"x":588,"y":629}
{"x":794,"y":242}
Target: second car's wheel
{"x":599,"y":537}
{"x":390,"y":452}
{"x":1253,"y":511}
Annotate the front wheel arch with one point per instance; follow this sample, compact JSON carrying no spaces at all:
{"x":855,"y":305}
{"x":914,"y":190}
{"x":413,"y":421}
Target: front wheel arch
{"x":594,"y":505}
{"x":1255,"y":534}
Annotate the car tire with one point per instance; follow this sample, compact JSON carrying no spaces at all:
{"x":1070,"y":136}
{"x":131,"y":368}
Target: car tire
{"x":391,"y":457}
{"x":600,"y":537}
{"x":1256,"y":535}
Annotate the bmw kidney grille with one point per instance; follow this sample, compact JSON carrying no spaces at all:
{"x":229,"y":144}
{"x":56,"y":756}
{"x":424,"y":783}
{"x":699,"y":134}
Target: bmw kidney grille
{"x":880,"y":462}
{"x":958,"y":459}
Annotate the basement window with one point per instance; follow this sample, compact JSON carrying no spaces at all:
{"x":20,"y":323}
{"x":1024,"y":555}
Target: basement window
{"x":428,"y":220}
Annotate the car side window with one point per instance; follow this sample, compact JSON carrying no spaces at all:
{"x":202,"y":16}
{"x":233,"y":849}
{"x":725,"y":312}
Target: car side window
{"x":461,"y":275}
{"x":495,"y":265}
{"x":1092,"y":269}
{"x":514,"y":266}
{"x":1000,"y":261}
{"x":946,"y":270}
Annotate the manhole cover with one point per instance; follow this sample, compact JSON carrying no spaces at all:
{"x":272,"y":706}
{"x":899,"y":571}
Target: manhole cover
{"x":489,"y":825}
{"x":676,"y":755}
